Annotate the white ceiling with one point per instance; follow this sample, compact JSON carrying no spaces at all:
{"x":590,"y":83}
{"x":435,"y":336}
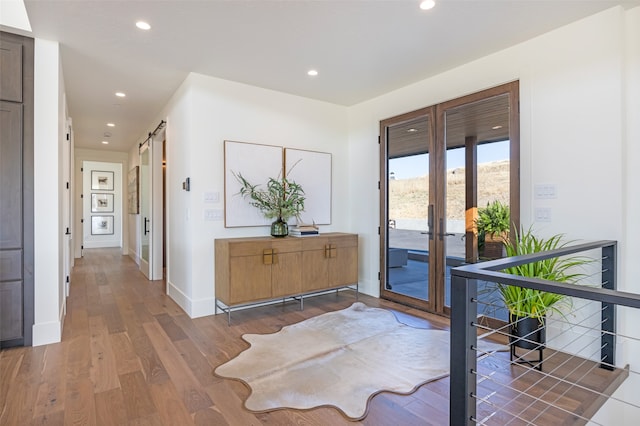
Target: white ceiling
{"x":361,"y":48}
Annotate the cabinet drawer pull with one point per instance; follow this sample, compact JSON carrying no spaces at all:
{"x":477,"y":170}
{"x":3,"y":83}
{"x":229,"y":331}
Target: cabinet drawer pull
{"x":330,"y":251}
{"x":267,"y":256}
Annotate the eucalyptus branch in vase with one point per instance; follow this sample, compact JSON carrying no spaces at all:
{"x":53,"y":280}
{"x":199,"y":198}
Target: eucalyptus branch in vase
{"x":281,"y":200}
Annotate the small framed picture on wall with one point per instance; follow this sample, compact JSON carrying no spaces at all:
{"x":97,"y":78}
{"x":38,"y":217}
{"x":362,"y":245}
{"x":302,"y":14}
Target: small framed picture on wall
{"x":102,"y":180}
{"x":101,"y":203}
{"x":101,"y":225}
{"x":133,"y":200}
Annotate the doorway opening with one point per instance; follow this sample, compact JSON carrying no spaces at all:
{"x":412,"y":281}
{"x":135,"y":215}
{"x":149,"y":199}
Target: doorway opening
{"x":438,"y":166}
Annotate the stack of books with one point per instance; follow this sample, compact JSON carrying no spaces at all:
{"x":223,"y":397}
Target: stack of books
{"x":303,"y":230}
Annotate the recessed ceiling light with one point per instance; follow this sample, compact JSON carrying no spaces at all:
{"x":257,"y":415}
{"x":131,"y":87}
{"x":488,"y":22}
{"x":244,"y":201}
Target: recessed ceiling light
{"x":496,"y":127}
{"x":105,"y":142}
{"x":427,"y":4}
{"x":120,"y":94}
{"x":411,"y":130}
{"x":143,"y":25}
{"x":111,"y":125}
{"x":312,"y":73}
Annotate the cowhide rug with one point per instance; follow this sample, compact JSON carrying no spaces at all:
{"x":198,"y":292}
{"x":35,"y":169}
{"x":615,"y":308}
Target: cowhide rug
{"x":340,"y":359}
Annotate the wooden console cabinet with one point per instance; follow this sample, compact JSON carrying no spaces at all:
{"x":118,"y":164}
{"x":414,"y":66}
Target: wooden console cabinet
{"x":257,"y":269}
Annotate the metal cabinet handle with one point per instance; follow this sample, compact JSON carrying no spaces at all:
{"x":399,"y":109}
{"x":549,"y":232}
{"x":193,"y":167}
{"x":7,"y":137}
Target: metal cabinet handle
{"x":269,"y":257}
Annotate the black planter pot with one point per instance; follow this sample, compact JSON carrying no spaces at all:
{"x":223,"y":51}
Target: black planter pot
{"x":528,"y":334}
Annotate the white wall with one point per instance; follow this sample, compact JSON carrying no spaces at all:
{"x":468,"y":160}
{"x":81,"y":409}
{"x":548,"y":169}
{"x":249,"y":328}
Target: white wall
{"x":49,"y":130}
{"x":115,"y":239}
{"x":202,"y":114}
{"x":613,"y":412}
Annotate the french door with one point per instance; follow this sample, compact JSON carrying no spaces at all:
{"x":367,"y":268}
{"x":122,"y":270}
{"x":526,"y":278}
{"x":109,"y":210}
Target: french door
{"x":438,"y":165}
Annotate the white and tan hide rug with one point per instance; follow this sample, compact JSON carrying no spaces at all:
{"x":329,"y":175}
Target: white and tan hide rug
{"x":338,"y":359}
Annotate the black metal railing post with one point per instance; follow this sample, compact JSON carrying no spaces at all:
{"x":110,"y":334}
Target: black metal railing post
{"x":463,"y":361}
{"x":608,"y":334}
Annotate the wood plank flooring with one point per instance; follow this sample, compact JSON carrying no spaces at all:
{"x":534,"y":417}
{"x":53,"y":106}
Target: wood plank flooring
{"x":130,"y":356}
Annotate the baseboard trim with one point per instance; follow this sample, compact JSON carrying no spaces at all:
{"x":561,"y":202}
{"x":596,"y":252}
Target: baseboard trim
{"x":193,"y":308}
{"x":46,"y":333}
{"x":101,"y":244}
{"x":134,"y":256}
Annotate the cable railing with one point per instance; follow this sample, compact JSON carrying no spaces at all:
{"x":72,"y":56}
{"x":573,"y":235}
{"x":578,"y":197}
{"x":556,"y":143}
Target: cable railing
{"x":562,"y":377}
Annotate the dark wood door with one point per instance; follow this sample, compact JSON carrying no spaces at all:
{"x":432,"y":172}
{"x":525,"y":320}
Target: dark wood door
{"x":16,"y":190}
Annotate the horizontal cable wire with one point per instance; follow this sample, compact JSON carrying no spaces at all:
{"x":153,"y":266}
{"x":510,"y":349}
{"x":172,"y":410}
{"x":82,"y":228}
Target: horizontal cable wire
{"x":572,"y":327}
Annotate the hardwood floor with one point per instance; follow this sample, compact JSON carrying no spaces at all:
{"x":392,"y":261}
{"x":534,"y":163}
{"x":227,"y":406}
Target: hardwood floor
{"x":130,"y":356}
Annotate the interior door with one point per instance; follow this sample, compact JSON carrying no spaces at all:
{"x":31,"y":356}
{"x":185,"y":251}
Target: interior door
{"x":11,"y":208}
{"x":16,"y":191}
{"x":145,"y":211}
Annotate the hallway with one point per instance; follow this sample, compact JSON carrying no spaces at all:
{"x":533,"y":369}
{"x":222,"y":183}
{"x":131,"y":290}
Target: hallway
{"x":130,"y":356}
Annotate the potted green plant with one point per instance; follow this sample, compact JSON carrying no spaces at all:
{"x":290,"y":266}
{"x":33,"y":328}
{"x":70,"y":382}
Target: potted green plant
{"x":527,"y":307}
{"x":281,"y":200}
{"x":493,"y":224}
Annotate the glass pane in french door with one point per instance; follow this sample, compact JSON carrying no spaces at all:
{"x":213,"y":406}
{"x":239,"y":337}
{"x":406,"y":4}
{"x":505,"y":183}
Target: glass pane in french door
{"x":408,"y":209}
{"x":477,"y":172}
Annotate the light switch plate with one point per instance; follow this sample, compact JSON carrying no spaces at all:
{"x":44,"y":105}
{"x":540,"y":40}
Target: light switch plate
{"x":545,"y":191}
{"x":211,"y":197}
{"x":213,"y":214}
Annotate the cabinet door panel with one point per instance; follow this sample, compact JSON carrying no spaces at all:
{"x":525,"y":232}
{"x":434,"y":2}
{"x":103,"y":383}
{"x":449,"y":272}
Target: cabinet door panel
{"x":344,"y":267}
{"x":315,"y":270}
{"x":286,"y":274}
{"x":250,"y":279}
{"x":10,"y":71}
